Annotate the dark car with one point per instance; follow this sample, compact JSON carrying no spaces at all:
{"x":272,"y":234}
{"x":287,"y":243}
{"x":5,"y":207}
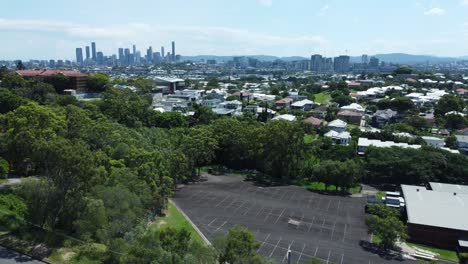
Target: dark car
{"x":372,"y":200}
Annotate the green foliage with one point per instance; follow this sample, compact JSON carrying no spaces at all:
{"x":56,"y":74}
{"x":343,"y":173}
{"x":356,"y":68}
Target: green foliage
{"x":4,"y":168}
{"x":448,"y":103}
{"x":399,"y":104}
{"x":97,"y":82}
{"x":40,"y":92}
{"x":383,"y":211}
{"x":342,"y":174}
{"x":238,"y":247}
{"x":13,"y":81}
{"x":14,"y":204}
{"x":388,"y":229}
{"x":403,"y":70}
{"x":9,"y":101}
{"x":59,"y":81}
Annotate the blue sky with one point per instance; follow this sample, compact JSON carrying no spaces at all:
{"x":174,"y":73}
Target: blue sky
{"x":54,"y":28}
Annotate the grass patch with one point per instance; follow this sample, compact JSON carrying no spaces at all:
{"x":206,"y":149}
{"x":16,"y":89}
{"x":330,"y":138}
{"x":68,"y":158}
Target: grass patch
{"x":376,"y":239}
{"x":309,"y":138}
{"x":3,"y":181}
{"x":380,"y":195}
{"x":322,"y":98}
{"x":176,"y":220}
{"x":443,"y":253}
{"x":320,"y":186}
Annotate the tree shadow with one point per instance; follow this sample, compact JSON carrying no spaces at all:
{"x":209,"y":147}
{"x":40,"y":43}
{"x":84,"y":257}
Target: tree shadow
{"x":386,"y":254}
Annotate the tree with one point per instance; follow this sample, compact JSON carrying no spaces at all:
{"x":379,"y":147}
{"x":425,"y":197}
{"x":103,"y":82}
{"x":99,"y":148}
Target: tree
{"x":9,"y":101}
{"x":403,"y":70}
{"x":213,"y":83}
{"x":451,"y":142}
{"x":417,"y":122}
{"x":448,"y":103}
{"x":40,"y":92}
{"x":199,"y":147}
{"x":97,"y":82}
{"x":13,"y":81}
{"x":240,"y":247}
{"x":388,"y":229}
{"x":4,"y":168}
{"x":3,"y":71}
{"x":455,"y":121}
{"x":204,"y":114}
{"x":59,"y":81}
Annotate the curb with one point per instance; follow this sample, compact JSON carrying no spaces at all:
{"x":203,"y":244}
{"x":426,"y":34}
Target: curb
{"x":190,"y":221}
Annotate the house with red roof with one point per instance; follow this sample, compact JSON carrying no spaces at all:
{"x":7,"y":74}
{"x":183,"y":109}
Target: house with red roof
{"x":77,"y":79}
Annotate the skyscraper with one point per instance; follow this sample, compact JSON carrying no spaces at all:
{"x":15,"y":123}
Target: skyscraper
{"x":149,"y":54}
{"x":364,"y":59}
{"x":374,"y":62}
{"x":134,"y":53}
{"x":100,"y":58}
{"x":88,"y":54}
{"x":316,"y":63}
{"x":127,"y":56}
{"x":173,"y":52}
{"x":93,"y":49}
{"x":162,"y":52}
{"x":79,"y":56}
{"x":341,"y":64}
{"x":121,"y":55}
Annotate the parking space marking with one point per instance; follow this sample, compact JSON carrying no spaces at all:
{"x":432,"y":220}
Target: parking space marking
{"x":275,"y":247}
{"x":289,"y":247}
{"x":263,"y":243}
{"x":253,"y":205}
{"x":344,"y":233}
{"x":290,"y":198}
{"x":342,"y":257}
{"x":263,"y":207}
{"x":280,"y":215}
{"x":268,"y":215}
{"x":329,"y":203}
{"x":338,"y":209}
{"x":329,"y":253}
{"x":212,"y":222}
{"x":216,"y":206}
{"x":221,"y":226}
{"x":311,"y":224}
{"x":285,"y":192}
{"x":316,"y":249}
{"x":333,"y":230}
{"x":300,"y":255}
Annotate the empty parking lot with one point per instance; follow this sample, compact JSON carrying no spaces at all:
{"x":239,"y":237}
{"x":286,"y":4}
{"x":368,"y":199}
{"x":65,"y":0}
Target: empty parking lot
{"x":311,"y":225}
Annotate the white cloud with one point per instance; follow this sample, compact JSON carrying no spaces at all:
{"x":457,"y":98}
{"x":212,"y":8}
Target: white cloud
{"x":324,"y":10}
{"x":435,"y":12}
{"x":267,"y":3}
{"x":464,"y":2}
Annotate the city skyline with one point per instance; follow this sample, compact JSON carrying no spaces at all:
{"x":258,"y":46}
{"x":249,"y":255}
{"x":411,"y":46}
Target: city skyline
{"x":245,"y":27}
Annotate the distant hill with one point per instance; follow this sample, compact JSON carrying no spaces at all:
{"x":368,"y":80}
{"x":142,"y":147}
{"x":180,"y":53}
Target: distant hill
{"x":400,"y":58}
{"x":228,"y":58}
{"x":403,"y":58}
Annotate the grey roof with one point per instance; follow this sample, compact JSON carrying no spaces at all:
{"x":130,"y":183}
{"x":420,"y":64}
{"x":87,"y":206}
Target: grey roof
{"x":438,"y":209}
{"x":462,"y":138}
{"x":450,"y":188}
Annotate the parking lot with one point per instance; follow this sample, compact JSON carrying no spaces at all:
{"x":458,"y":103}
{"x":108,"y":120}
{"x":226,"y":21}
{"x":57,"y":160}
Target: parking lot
{"x":330,"y":228}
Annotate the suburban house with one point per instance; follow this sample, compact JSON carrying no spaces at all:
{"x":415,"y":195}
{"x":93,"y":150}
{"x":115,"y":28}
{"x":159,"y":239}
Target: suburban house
{"x":337,"y":125}
{"x":243,"y":96}
{"x":434,"y":141}
{"x":315,"y":122}
{"x":437,"y":216}
{"x":284,"y":103}
{"x":286,"y":117}
{"x":386,"y":116}
{"x":168,"y":84}
{"x":364,"y":143}
{"x":350,"y":116}
{"x":354,"y":108}
{"x":340,"y":138}
{"x":304,"y":105}
{"x":320,"y":111}
{"x":229,"y":108}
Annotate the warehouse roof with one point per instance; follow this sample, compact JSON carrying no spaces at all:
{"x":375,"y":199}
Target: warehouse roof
{"x":434,"y":208}
{"x":450,"y":188}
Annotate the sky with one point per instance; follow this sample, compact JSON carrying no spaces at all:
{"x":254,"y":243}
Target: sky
{"x":52,"y":29}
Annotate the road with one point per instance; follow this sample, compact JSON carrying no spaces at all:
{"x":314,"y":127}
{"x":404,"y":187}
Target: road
{"x":12,"y":257}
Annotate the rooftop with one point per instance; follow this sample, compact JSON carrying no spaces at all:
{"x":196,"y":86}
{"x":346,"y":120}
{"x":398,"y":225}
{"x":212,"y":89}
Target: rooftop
{"x":449,"y":188}
{"x":32,"y":73}
{"x":434,"y":208}
{"x":365,"y":142}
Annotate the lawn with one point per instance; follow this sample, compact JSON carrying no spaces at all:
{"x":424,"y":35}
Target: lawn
{"x":176,"y":220}
{"x":443,"y":253}
{"x":320,"y":186}
{"x":322,"y":98}
{"x":309,"y":138}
